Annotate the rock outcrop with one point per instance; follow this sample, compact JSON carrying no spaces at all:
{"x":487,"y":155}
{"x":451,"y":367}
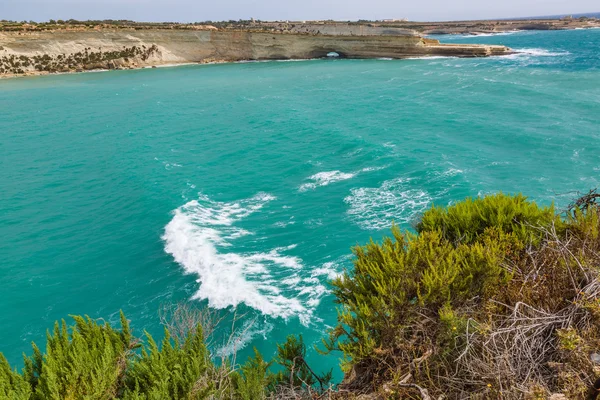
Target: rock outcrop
{"x":490,"y":26}
{"x":63,"y":51}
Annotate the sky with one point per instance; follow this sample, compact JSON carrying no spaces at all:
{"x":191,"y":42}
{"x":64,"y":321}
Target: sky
{"x":216,"y":10}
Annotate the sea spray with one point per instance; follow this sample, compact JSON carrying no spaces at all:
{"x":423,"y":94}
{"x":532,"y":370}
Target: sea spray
{"x":198,"y":237}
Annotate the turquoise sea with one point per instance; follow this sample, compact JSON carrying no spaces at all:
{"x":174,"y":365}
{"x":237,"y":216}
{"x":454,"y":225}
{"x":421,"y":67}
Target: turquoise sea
{"x":247,"y":184}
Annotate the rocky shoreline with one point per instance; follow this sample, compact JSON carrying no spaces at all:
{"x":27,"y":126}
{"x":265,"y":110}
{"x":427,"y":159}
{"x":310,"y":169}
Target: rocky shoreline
{"x":502,"y":26}
{"x":63,"y":51}
{"x":78,"y":46}
{"x":431,"y":28}
{"x":129,"y":68}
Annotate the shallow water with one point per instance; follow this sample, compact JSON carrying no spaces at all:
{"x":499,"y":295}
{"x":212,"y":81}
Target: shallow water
{"x":247,"y":184}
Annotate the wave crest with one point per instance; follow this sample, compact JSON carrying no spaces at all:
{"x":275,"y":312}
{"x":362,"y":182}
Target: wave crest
{"x":201,"y":236}
{"x":541,"y":52}
{"x":324,"y":179}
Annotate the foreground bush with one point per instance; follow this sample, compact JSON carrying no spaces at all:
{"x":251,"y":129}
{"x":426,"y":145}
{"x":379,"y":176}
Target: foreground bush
{"x":92,"y":360}
{"x":495,"y":297}
{"x":491,"y":298}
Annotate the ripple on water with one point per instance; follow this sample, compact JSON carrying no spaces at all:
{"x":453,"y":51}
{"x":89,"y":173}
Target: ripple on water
{"x":394,"y":201}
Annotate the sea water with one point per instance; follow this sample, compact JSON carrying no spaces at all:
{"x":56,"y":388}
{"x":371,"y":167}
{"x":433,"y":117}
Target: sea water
{"x":246,"y":185}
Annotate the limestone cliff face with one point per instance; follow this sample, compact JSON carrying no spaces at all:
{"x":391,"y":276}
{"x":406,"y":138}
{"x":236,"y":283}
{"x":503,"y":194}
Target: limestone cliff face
{"x":341,"y":29}
{"x":56,"y":51}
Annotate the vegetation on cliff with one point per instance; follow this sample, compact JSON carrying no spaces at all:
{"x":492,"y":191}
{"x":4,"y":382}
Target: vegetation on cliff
{"x":493,"y":297}
{"x":87,"y":59}
{"x":443,"y":27}
{"x":94,"y":360}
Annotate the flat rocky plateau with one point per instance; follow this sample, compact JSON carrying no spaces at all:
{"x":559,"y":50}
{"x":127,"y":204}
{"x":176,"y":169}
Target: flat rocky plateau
{"x":27,"y":52}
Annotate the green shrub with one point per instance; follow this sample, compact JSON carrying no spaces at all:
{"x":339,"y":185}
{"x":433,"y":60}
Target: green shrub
{"x":466,"y":305}
{"x":291,"y":356}
{"x":12,"y":384}
{"x":94,"y":361}
{"x":392,"y":280}
{"x":254,"y":379}
{"x":466,"y":221}
{"x":492,"y":297}
{"x":89,"y":361}
{"x":173,"y":371}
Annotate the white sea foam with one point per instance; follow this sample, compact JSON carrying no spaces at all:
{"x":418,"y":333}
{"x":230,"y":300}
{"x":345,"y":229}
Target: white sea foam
{"x":324,"y":179}
{"x":297,"y":60}
{"x":244,"y":336}
{"x":169,"y":166}
{"x":329,"y":177}
{"x":536,"y":53}
{"x":394,"y":200}
{"x":371,"y":169}
{"x":330,"y":270}
{"x":237,"y":233}
{"x":171,"y":65}
{"x":283,"y":224}
{"x":313,"y":290}
{"x":197,"y":238}
{"x":313,"y":222}
{"x":292,"y":281}
{"x":506,"y":33}
{"x":542,"y":52}
{"x":429,"y":57}
{"x":451,"y":172}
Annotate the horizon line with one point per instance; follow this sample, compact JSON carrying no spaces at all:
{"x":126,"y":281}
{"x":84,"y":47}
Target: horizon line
{"x":555,"y":16}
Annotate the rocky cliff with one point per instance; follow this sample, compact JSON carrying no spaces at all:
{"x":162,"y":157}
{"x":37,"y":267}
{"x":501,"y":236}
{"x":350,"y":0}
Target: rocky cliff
{"x":490,"y":26}
{"x":64,"y":51}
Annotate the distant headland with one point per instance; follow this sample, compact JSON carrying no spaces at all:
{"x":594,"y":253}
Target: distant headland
{"x":29,"y":48}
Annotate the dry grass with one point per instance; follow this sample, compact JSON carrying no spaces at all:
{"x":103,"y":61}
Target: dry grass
{"x":531,"y":340}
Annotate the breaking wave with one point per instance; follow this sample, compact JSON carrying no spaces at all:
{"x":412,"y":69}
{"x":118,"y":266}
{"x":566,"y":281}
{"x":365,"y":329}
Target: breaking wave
{"x":329,"y":177}
{"x":324,"y":179}
{"x":486,"y":34}
{"x":541,"y":52}
{"x":198,"y":238}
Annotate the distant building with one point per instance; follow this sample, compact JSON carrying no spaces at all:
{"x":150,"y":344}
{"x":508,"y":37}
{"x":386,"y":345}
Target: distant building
{"x":395,"y":20}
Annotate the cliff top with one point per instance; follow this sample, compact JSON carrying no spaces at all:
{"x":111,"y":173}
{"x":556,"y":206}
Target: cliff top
{"x":363,"y":27}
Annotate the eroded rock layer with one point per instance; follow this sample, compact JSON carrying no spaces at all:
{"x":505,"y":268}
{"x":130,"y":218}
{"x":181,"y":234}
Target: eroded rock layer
{"x":64,"y":51}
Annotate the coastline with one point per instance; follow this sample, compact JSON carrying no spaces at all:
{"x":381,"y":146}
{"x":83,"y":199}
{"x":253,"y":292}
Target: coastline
{"x":37,"y":50}
{"x":33,"y":74}
{"x":62,"y":51}
{"x":236,"y":191}
{"x":476,"y":34}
